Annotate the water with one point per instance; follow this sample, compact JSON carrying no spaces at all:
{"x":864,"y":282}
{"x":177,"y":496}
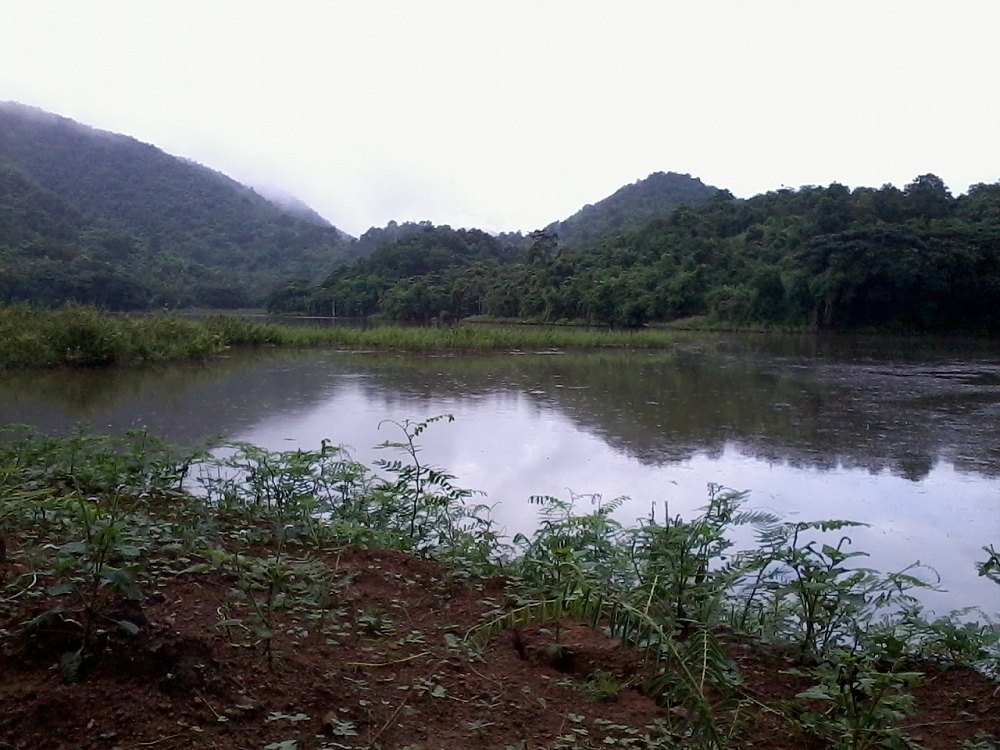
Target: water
{"x":902,"y":436}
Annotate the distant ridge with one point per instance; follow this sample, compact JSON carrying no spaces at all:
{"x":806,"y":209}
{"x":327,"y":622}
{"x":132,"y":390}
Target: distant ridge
{"x":193,"y":235}
{"x":631,"y":207}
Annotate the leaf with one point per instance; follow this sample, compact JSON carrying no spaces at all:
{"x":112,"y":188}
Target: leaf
{"x":44,"y":618}
{"x":129,"y":627}
{"x":70,"y":664}
{"x":60,"y":589}
{"x":121,"y":581}
{"x":816,"y":692}
{"x":196,"y":568}
{"x":75,"y":548}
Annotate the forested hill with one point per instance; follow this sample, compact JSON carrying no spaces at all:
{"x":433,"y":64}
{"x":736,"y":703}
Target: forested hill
{"x":99,"y":217}
{"x":631,"y":207}
{"x":916,"y":259}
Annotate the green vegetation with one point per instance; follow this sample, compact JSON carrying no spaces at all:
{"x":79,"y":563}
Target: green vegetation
{"x":101,"y":529}
{"x":631,"y":207}
{"x":915,"y":259}
{"x":85,"y":337}
{"x":103,"y":219}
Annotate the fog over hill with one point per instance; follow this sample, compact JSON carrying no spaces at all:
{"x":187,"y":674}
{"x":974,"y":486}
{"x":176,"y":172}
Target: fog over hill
{"x":147,"y":228}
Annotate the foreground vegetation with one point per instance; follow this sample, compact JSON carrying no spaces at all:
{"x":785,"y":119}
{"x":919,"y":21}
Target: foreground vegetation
{"x":81,"y":336}
{"x":248,"y":598}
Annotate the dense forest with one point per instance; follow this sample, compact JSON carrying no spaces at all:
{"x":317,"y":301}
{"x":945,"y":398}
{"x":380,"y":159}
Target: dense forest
{"x":915,"y":258}
{"x":631,"y":207}
{"x":100,"y":218}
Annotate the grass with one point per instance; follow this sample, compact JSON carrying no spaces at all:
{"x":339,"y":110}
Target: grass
{"x":77,"y":336}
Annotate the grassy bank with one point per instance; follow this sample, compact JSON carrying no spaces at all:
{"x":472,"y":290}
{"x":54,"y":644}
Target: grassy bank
{"x":301,"y":600}
{"x":81,"y":336}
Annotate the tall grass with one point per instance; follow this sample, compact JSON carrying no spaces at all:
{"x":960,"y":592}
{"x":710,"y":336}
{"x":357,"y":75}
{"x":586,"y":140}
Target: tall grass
{"x":81,"y":336}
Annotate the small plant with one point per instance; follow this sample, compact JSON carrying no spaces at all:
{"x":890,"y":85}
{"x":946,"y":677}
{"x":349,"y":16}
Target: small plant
{"x":863,"y":701}
{"x":990,"y":567}
{"x":982,"y":741}
{"x":375,"y":622}
{"x":811,"y":593}
{"x":604,"y":686}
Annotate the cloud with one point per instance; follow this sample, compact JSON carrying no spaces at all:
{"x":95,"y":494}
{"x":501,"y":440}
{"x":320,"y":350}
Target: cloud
{"x":515,"y":114}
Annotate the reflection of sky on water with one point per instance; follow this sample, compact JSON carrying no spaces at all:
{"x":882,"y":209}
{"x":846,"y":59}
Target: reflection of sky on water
{"x":900,"y":437}
{"x":509,"y":447}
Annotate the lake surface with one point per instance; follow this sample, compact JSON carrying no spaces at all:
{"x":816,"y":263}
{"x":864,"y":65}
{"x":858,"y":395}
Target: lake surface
{"x":903,"y":435}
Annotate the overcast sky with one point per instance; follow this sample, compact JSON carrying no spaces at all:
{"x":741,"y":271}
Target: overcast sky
{"x":509,"y":115}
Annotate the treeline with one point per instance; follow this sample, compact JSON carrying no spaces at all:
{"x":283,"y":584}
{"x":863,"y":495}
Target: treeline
{"x":631,"y":207}
{"x":431,"y":272}
{"x":915,"y":258}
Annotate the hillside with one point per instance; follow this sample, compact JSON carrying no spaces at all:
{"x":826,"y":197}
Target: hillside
{"x":417,"y":271}
{"x":916,"y":259}
{"x":632,"y":206}
{"x":173,"y":232}
{"x":412,"y":273}
{"x":49,"y":252}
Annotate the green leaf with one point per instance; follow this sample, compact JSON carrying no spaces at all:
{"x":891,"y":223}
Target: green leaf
{"x":130,"y":628}
{"x":75,"y":548}
{"x":70,"y":664}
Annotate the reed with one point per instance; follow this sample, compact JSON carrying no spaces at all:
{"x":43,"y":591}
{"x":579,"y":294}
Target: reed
{"x":78,"y":336}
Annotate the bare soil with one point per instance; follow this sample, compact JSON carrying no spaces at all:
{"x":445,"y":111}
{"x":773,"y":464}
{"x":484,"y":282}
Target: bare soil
{"x":386,"y":668}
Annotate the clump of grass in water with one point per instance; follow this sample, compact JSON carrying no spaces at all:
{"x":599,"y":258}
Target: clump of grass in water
{"x":80,"y":336}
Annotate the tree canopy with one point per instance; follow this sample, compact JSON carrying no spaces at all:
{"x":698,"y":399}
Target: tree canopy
{"x":827,"y":257}
{"x":102,"y":218}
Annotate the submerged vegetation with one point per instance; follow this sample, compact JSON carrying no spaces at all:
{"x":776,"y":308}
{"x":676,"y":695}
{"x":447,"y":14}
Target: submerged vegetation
{"x":305,"y":600}
{"x":82,"y":336}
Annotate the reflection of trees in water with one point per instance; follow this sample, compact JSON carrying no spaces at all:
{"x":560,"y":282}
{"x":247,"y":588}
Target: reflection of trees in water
{"x":184,"y":403}
{"x":806,"y":412}
{"x":802,"y":401}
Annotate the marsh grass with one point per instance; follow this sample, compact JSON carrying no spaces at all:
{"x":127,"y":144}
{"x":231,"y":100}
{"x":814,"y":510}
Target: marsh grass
{"x":78,"y":336}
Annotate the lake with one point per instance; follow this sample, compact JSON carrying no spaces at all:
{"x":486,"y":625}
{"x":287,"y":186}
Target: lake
{"x":901,"y":434}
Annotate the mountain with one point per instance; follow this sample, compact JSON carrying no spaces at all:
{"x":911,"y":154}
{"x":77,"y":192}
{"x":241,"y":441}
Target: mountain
{"x":631,"y":207}
{"x":80,"y":207}
{"x":294,"y":206}
{"x":911,"y":259}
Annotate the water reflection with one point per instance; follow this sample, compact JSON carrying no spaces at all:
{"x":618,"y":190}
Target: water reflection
{"x":813,"y":406}
{"x":814,"y":427}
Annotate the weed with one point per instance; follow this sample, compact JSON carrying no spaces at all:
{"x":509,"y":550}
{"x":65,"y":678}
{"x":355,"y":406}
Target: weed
{"x":813,"y":596}
{"x":982,"y":741}
{"x":375,"y":623}
{"x":990,"y":567}
{"x":863,"y":702}
{"x":604,"y":686}
{"x":97,"y":523}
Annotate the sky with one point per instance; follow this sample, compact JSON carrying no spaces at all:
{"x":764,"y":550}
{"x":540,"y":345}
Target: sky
{"x":510,"y":115}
